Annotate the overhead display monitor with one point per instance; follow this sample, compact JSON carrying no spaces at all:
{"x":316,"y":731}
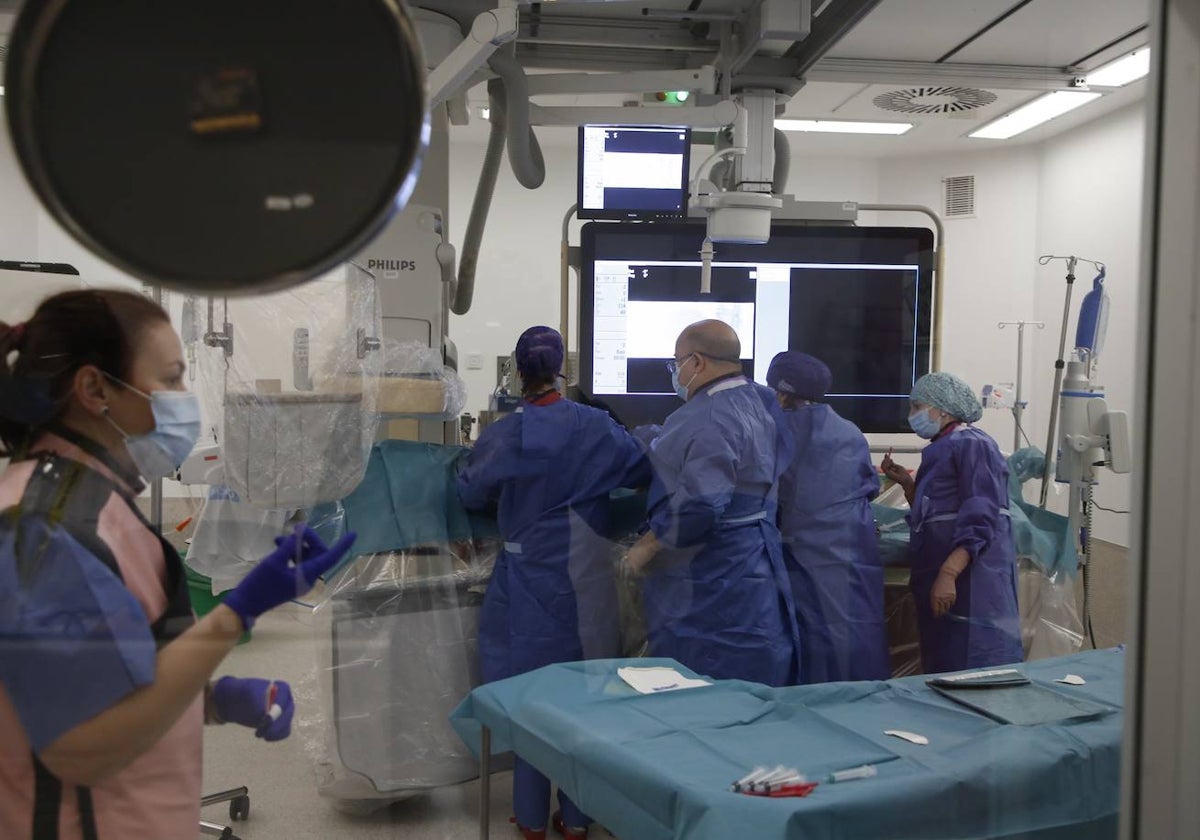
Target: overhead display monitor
{"x":859,"y":298}
{"x":633,"y":171}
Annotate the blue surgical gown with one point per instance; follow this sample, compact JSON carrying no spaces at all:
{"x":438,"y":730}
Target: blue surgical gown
{"x":961,"y":501}
{"x":553,"y":595}
{"x":831,"y":548}
{"x":717,"y":596}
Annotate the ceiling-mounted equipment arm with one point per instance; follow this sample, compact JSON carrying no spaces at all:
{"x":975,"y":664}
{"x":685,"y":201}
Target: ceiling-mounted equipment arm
{"x":524,"y":153}
{"x":464,"y":289}
{"x":699,"y":80}
{"x":489,"y":31}
{"x":716,"y":116}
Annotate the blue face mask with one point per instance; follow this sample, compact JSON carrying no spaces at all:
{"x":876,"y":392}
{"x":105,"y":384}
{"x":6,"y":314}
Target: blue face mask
{"x":924,"y":425}
{"x":681,"y":390}
{"x":159,"y":453}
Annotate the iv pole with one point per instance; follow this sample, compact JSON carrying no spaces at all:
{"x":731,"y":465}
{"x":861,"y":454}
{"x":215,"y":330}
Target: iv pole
{"x":1059,"y":366}
{"x":1019,"y":402}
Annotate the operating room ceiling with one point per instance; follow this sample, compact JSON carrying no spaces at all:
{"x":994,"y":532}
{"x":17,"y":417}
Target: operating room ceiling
{"x":980,"y":57}
{"x":988,"y":56}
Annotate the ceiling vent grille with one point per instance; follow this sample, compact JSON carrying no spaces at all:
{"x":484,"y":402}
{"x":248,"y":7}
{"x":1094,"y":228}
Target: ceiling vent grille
{"x":935,"y":99}
{"x":959,"y":197}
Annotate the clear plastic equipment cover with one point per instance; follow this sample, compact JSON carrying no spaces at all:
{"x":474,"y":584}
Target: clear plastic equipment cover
{"x":285,"y":385}
{"x":412,"y":379}
{"x":396,"y":641}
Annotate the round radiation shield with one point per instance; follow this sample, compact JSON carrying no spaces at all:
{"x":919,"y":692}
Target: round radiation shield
{"x":224,"y":146}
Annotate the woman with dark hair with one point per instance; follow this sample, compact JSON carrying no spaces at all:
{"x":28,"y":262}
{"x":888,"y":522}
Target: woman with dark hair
{"x":104,"y":672}
{"x":549,"y":468}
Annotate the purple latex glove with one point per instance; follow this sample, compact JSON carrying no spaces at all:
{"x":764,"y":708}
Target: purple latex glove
{"x":279,"y":578}
{"x":266,"y":706}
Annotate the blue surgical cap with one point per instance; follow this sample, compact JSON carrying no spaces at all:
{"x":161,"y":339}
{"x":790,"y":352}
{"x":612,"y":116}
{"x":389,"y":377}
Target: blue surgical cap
{"x":949,"y":393}
{"x":539,"y":354}
{"x":799,"y":374}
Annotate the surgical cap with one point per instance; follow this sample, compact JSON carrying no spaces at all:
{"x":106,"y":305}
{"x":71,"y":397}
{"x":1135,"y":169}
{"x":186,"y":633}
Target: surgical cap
{"x":539,"y":354}
{"x":799,"y":374}
{"x":949,"y":393}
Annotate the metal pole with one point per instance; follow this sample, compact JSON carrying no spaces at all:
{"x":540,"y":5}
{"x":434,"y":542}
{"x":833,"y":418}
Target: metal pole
{"x":1019,"y":396}
{"x":1018,"y":408}
{"x":564,"y":303}
{"x":1059,"y":366}
{"x":485,"y":782}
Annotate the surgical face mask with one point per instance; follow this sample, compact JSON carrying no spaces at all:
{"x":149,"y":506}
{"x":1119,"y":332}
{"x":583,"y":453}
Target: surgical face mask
{"x":158,"y":453}
{"x":681,"y":389}
{"x":924,"y":425}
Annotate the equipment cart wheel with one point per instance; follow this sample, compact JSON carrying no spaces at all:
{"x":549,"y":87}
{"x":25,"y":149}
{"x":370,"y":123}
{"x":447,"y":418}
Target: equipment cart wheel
{"x":239,"y":810}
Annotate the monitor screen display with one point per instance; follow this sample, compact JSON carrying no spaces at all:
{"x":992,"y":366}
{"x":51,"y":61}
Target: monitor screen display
{"x":858,"y":298}
{"x":633,"y":172}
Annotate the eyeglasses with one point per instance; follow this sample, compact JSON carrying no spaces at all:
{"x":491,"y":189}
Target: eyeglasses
{"x":674,"y":365}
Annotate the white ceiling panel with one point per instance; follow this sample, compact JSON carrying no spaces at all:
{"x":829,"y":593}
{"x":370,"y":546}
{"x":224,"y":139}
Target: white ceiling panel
{"x":918,"y":30}
{"x":862,"y":106}
{"x":857,"y":102}
{"x":821,"y":99}
{"x":1056,"y":33}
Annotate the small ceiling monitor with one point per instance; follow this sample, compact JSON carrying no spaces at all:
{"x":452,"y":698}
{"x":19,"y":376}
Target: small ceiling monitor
{"x":636,"y":172}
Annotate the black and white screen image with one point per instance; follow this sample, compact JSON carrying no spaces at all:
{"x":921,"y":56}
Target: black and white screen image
{"x":860,"y":299}
{"x":633,"y":172}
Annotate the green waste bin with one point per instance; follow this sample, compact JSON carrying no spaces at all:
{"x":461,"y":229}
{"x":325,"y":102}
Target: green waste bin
{"x":203,"y":599}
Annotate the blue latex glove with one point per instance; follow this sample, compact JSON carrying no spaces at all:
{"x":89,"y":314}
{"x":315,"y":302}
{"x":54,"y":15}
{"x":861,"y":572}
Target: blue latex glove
{"x":278,"y":578}
{"x":249,"y":702}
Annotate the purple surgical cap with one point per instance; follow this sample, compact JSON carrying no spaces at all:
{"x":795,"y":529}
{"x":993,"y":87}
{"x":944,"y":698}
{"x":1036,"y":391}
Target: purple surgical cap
{"x":799,"y":374}
{"x":539,"y":353}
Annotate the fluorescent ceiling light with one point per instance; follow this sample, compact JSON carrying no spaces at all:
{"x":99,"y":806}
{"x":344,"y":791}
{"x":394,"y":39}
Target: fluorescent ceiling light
{"x":1121,"y":72}
{"x":1040,"y":110}
{"x":1,"y":90}
{"x":841,"y":127}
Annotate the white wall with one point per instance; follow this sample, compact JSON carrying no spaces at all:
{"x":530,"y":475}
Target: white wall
{"x":988,"y":273}
{"x":18,"y":207}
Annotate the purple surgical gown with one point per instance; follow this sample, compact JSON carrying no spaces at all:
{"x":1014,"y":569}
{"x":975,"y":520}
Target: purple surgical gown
{"x":961,"y":501}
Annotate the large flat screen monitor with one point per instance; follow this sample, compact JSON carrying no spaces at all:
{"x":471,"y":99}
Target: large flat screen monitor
{"x":633,"y":171}
{"x":859,"y":298}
